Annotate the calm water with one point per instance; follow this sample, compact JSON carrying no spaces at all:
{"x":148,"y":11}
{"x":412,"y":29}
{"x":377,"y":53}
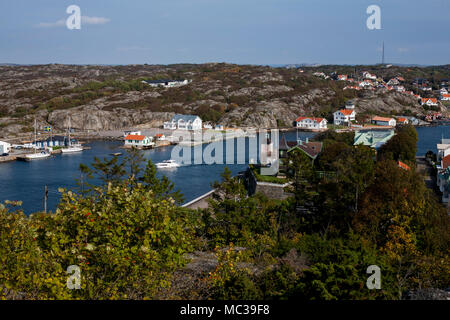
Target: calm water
{"x":26,"y":180}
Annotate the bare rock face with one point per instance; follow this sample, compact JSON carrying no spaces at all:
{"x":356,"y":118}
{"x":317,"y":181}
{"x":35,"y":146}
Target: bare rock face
{"x":92,"y":118}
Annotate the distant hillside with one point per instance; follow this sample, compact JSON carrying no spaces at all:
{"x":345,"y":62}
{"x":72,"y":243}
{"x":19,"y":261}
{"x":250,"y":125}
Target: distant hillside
{"x":113,"y":97}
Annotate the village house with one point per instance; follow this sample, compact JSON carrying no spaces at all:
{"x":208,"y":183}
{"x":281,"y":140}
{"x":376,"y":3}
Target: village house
{"x":344,"y":116}
{"x":432,"y":102}
{"x":311,"y":149}
{"x":5,"y":147}
{"x":445,"y":97}
{"x":166,"y":83}
{"x":393,"y":82}
{"x":368,"y":75}
{"x":342,"y":77}
{"x":139,"y":141}
{"x":443,"y":149}
{"x":184,"y":122}
{"x":311,"y":123}
{"x":382,"y":121}
{"x":402,"y":121}
{"x":374,"y":138}
{"x":160,"y":137}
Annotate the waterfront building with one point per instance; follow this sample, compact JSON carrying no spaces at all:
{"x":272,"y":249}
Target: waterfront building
{"x":184,"y":122}
{"x":311,"y":123}
{"x":5,"y":147}
{"x":139,"y":141}
{"x":344,"y":116}
{"x":402,"y":121}
{"x":54,"y":141}
{"x":443,"y":149}
{"x":374,"y":138}
{"x":382,"y":121}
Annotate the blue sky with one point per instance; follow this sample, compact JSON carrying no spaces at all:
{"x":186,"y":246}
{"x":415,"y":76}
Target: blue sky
{"x":235,"y":31}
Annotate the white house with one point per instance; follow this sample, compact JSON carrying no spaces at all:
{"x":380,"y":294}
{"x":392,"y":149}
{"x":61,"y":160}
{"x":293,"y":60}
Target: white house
{"x":5,"y":147}
{"x":138,"y":141}
{"x":219,"y":127}
{"x":381,"y":121}
{"x":429,"y":102}
{"x":184,"y":122}
{"x":344,"y":116}
{"x":445,"y":97}
{"x":368,"y":75}
{"x":311,"y":123}
{"x":167,"y":83}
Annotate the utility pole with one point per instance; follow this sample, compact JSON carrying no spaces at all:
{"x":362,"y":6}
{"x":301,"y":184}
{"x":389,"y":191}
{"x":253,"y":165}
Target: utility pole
{"x":382,"y":59}
{"x":45,"y":199}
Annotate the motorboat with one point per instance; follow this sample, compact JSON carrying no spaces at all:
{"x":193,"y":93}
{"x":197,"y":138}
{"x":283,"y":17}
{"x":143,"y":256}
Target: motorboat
{"x":167,"y":164}
{"x":72,"y":149}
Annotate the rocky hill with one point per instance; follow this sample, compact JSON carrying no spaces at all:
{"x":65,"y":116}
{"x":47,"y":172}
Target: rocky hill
{"x":113,"y":97}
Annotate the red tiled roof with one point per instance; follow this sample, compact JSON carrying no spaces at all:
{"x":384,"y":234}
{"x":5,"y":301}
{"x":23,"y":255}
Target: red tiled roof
{"x":446,"y":95}
{"x":446,"y":162}
{"x":135,"y":137}
{"x":381,"y":119}
{"x":403,"y":166}
{"x":401,"y":119}
{"x":312,"y":118}
{"x":424,"y":100}
{"x":159,"y":135}
{"x":346,"y":112}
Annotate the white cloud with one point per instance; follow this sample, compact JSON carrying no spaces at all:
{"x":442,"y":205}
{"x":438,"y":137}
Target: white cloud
{"x":84,"y":21}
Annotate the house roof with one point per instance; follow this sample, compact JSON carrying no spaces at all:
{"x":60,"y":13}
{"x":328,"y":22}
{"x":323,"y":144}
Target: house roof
{"x":403,"y":165}
{"x":346,"y":112}
{"x":445,"y":95}
{"x":382,"y":119}
{"x":424,"y":100}
{"x":159,"y":135}
{"x":446,"y":162}
{"x":184,"y":117}
{"x":312,"y":149}
{"x":402,"y":119}
{"x":135,"y":137}
{"x":311,"y":118}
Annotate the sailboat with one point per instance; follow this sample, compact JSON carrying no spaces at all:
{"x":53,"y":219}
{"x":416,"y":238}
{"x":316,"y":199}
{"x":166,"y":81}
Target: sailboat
{"x":36,"y":155}
{"x":71,"y":148}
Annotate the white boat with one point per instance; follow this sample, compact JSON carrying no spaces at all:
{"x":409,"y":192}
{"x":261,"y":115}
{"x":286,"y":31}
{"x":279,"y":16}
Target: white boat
{"x":37,"y":156}
{"x":71,"y":148}
{"x":167,"y":164}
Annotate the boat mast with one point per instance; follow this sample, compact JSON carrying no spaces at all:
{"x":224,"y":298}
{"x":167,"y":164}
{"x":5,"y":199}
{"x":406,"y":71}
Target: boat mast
{"x":35,"y":133}
{"x":69,"y":132}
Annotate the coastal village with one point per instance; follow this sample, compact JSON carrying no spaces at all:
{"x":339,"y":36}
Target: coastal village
{"x":373,"y":131}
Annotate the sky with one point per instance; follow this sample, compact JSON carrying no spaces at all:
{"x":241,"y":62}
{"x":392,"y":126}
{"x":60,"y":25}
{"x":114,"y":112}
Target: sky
{"x":264,"y":32}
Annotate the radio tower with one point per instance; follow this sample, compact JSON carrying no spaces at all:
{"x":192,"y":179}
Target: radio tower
{"x":382,"y":58}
